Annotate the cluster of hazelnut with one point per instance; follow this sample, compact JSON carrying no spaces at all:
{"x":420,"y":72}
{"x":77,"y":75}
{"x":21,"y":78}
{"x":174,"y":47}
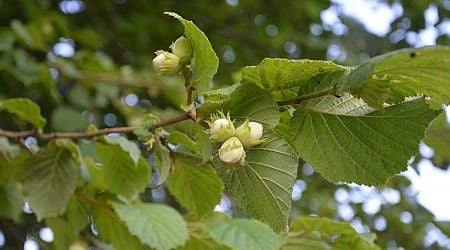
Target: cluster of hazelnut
{"x":235,"y":141}
{"x":166,"y":63}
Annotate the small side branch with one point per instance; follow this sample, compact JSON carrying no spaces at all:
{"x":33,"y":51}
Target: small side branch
{"x":190,"y":115}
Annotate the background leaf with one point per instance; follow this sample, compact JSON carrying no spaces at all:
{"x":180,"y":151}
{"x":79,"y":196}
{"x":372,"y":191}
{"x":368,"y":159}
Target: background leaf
{"x":77,"y":213}
{"x":63,"y":231}
{"x":126,"y":145}
{"x":112,"y":230}
{"x":25,"y":109}
{"x":180,"y":138}
{"x":307,"y":232}
{"x":11,"y":201}
{"x":362,"y":149}
{"x":156,"y":225}
{"x":438,"y":137}
{"x":263,"y":187}
{"x":205,"y":61}
{"x":50,"y":180}
{"x":163,"y":161}
{"x":121,"y":174}
{"x":196,"y":186}
{"x":243,"y":234}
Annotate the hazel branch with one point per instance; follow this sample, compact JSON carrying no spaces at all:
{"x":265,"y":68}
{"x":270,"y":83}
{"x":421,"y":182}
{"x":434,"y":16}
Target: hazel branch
{"x":190,"y":115}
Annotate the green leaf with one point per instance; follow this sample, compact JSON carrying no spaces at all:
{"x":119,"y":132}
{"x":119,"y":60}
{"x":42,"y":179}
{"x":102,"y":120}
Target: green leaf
{"x":201,"y":241}
{"x":112,"y":230}
{"x":408,"y":72}
{"x":8,"y":150}
{"x":204,"y":144}
{"x":334,"y":235}
{"x":283,"y":78}
{"x":143,"y":130}
{"x":263,"y":187}
{"x":283,"y":129}
{"x":205,"y":61}
{"x":22,"y":32}
{"x":50,"y":180}
{"x":126,"y":145}
{"x":96,"y":174}
{"x":63,"y":231}
{"x":77,"y":213}
{"x":11,"y":201}
{"x":12,"y":170}
{"x":25,"y":109}
{"x":7,"y":38}
{"x":438,"y":137}
{"x":214,"y":100}
{"x":66,"y":118}
{"x":344,"y":140}
{"x":163,"y":161}
{"x":121,"y":175}
{"x":249,"y":101}
{"x":180,"y":138}
{"x":196,"y":186}
{"x":244,"y":234}
{"x":156,"y":225}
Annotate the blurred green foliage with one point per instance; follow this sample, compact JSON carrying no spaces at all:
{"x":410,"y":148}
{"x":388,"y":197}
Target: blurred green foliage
{"x":91,"y":62}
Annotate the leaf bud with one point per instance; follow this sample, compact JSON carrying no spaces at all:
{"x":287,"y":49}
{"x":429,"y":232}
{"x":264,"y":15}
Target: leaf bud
{"x":250,"y":133}
{"x":166,"y":63}
{"x":182,"y":48}
{"x":232,"y":151}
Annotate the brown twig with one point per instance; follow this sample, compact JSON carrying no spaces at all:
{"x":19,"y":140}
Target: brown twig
{"x":190,"y":115}
{"x":94,"y":202}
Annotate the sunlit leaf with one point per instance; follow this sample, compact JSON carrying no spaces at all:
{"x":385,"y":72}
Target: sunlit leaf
{"x":408,"y":72}
{"x":244,"y":234}
{"x":196,"y":186}
{"x":342,"y":144}
{"x":156,"y":225}
{"x":283,"y":78}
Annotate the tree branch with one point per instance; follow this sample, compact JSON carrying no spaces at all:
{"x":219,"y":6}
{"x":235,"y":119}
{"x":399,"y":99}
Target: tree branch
{"x":139,"y":82}
{"x":190,"y":115}
{"x":298,"y":99}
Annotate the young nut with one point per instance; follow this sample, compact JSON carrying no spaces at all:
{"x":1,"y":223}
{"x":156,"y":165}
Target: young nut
{"x":250,"y":133}
{"x":221,"y":129}
{"x":232,"y":151}
{"x":166,"y":63}
{"x":182,"y":48}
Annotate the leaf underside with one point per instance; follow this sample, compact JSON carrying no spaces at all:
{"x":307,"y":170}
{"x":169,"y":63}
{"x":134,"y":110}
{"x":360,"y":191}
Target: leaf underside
{"x":263,"y":187}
